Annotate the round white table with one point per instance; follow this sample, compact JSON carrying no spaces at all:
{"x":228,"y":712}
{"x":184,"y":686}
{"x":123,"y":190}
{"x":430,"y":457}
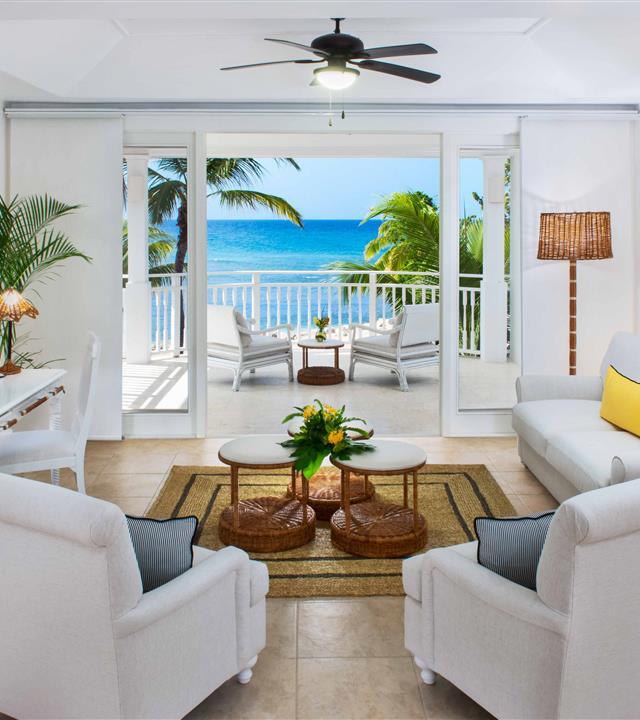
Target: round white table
{"x":320,"y":374}
{"x":264,"y":524}
{"x":378,"y":529}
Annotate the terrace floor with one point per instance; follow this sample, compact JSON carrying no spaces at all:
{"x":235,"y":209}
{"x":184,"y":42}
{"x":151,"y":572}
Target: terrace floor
{"x":266,"y":396}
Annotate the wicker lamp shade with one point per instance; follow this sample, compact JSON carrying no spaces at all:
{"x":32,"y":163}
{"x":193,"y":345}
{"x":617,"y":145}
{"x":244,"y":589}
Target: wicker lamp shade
{"x":575,"y":236}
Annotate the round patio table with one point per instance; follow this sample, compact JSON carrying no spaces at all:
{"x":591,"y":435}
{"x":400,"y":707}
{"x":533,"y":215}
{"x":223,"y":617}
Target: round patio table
{"x":264,"y":524}
{"x":379,"y":529}
{"x":320,"y":374}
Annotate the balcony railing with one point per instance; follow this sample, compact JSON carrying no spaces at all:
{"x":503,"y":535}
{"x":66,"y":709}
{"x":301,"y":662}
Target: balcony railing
{"x":271,"y":297}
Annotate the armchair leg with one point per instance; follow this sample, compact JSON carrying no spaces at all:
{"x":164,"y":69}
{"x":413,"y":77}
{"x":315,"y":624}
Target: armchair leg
{"x":252,"y":371}
{"x":244,"y":676}
{"x":236,"y":381}
{"x":79,"y":472}
{"x":290,"y":365}
{"x":352,"y":367}
{"x":402,"y":378}
{"x":427,"y":675}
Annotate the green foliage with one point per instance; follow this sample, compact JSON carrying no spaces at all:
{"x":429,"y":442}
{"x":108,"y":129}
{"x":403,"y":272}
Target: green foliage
{"x":30,"y":250}
{"x":161,"y":245}
{"x":325,"y":431}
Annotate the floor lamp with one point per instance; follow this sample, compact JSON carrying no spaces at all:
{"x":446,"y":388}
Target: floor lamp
{"x":574,"y":236}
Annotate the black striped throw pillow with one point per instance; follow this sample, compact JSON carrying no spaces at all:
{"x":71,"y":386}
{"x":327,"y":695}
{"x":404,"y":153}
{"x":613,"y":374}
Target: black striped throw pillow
{"x":511,"y":547}
{"x":163,"y":548}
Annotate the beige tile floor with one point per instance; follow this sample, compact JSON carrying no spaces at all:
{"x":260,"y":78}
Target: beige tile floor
{"x":325,"y":658}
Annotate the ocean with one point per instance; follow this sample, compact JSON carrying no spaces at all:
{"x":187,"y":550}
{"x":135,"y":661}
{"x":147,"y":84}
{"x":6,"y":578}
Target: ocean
{"x":259,"y":245}
{"x":279,"y":245}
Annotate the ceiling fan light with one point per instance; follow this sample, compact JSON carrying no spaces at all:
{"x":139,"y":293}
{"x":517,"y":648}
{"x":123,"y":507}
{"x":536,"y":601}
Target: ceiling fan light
{"x":336,"y":78}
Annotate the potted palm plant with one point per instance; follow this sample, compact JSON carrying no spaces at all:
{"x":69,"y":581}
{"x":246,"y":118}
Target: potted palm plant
{"x":30,"y":249}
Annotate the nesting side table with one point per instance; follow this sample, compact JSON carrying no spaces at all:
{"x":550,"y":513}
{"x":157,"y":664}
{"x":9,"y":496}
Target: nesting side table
{"x":377,"y":529}
{"x":264,"y":524}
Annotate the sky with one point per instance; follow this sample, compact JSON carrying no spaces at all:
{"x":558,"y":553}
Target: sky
{"x":345,"y":188}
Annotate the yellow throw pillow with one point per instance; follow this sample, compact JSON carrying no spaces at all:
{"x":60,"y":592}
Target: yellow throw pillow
{"x":621,"y":401}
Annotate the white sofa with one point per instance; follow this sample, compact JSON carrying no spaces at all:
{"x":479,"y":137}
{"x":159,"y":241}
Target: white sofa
{"x":79,"y":639}
{"x":561,"y":437}
{"x":571,"y":649}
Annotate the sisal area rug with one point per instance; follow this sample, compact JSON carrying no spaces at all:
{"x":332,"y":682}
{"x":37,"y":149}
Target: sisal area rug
{"x":451,"y":496}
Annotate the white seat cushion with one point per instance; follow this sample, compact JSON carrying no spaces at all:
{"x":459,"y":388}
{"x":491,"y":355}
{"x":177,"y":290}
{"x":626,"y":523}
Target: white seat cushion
{"x":256,"y":450}
{"x":260,"y":345}
{"x":584,"y":458}
{"x":380,"y":346}
{"x":388,"y":455}
{"x":267,"y":345}
{"x":34,"y":446}
{"x":536,"y":421}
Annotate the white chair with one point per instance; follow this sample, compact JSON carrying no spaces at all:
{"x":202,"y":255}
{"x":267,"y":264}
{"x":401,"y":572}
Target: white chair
{"x":34,"y":450}
{"x":410,"y":343}
{"x":571,"y":649}
{"x":79,"y":637}
{"x":232,"y":344}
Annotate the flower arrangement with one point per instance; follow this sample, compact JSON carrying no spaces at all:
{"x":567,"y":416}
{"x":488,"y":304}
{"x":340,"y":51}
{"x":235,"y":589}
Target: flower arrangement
{"x":321,"y":323}
{"x":325,"y":431}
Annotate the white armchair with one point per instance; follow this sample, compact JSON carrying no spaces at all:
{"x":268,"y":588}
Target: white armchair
{"x":81,"y":640}
{"x":411,"y":342}
{"x":232,"y":344}
{"x":571,"y":649}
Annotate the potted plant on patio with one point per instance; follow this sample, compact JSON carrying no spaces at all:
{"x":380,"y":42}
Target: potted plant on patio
{"x":325,"y":431}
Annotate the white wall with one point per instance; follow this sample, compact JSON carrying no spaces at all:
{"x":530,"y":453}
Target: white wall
{"x":79,"y":161}
{"x":573,"y":165}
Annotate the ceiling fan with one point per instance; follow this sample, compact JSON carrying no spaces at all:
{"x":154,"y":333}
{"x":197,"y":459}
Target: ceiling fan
{"x":340,"y":50}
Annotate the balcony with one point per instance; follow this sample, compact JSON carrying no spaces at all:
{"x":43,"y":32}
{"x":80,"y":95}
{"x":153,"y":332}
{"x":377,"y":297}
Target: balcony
{"x":159,"y":380}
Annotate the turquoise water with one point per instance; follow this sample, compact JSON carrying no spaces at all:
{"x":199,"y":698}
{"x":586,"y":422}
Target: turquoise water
{"x":259,"y":245}
{"x":279,"y":245}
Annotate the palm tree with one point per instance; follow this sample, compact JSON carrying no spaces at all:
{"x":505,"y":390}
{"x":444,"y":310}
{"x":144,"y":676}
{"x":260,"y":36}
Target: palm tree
{"x":161,"y":245}
{"x":408,"y":239}
{"x":30,"y":248}
{"x":168,"y":193}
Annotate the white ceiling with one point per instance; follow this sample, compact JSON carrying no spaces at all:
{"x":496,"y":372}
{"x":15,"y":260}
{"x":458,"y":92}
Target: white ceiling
{"x":169,"y":50}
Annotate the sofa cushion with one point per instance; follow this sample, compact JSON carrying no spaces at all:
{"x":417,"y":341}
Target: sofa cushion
{"x":380,"y":346}
{"x":584,"y":458}
{"x":621,"y":401}
{"x":538,"y":420}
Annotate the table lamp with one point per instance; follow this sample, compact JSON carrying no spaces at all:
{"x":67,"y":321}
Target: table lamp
{"x":12,"y":307}
{"x":574,"y":236}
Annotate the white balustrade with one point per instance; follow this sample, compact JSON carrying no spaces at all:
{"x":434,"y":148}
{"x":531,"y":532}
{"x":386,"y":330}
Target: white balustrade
{"x":268,"y":300}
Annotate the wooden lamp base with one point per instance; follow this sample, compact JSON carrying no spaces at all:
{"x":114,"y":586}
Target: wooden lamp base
{"x":10,"y":368}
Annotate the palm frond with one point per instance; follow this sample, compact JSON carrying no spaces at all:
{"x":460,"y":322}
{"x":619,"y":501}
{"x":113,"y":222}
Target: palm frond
{"x":252,"y":199}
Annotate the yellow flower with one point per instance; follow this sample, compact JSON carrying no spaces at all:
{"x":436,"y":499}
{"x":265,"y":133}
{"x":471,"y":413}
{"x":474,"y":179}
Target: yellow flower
{"x":329,"y":410}
{"x":335,"y":437}
{"x":308,"y":412}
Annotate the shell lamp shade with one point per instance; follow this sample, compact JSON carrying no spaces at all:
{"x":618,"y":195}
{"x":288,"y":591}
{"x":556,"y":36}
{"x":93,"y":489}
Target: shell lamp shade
{"x":13,"y":307}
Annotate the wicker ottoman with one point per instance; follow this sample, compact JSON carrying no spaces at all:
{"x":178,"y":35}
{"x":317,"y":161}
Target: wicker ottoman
{"x":375,"y":529}
{"x":264,"y":524}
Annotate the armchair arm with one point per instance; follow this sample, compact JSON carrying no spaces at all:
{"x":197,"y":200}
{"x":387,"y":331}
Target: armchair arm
{"x":490,"y":588}
{"x":558,"y":387}
{"x":625,"y":467}
{"x":168,"y":598}
{"x":354,"y":327}
{"x":283,"y":326}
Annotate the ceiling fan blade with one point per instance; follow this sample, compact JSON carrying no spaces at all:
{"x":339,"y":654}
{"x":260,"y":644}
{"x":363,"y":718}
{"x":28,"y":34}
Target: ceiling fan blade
{"x":396,"y":51}
{"x":275,"y":62}
{"x":308,"y":48}
{"x":399,"y":71}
